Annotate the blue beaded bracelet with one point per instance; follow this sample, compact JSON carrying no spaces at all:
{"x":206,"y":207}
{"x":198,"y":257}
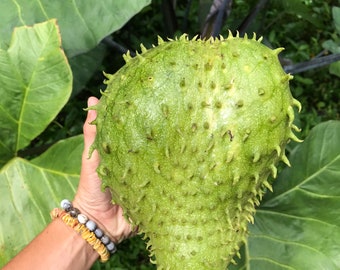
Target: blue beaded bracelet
{"x":89,"y":224}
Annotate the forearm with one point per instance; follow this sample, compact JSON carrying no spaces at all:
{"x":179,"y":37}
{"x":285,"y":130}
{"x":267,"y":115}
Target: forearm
{"x":57,"y":247}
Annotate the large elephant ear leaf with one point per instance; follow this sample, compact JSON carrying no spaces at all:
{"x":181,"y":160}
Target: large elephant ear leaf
{"x":35,"y":83}
{"x":30,"y":190}
{"x":83,"y":24}
{"x":298,"y":225}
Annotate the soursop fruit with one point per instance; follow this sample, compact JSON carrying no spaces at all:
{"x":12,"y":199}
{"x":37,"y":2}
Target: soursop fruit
{"x":188,"y":133}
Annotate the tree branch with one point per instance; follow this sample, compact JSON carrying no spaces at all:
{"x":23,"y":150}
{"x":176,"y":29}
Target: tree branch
{"x":312,"y":64}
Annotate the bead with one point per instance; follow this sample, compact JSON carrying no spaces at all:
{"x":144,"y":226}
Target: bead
{"x":111,"y":247}
{"x":105,"y":239}
{"x":99,"y":233}
{"x":74,"y":212}
{"x":65,"y":204}
{"x":82,"y":218}
{"x":55,"y":213}
{"x":86,"y":228}
{"x":91,"y":225}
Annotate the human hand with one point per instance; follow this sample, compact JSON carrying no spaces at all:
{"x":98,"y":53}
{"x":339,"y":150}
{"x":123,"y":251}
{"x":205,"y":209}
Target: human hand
{"x":89,"y":198}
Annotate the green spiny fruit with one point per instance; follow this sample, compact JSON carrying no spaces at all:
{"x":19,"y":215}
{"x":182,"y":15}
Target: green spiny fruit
{"x":188,"y":133}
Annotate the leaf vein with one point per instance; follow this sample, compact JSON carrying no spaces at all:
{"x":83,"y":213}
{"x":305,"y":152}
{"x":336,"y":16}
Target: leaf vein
{"x":18,"y":213}
{"x":291,"y":243}
{"x":34,"y":202}
{"x":318,"y":195}
{"x":19,"y":11}
{"x":25,"y":96}
{"x":83,"y":20}
{"x":43,"y":10}
{"x":298,"y":186}
{"x":273,"y":262}
{"x":270,"y":212}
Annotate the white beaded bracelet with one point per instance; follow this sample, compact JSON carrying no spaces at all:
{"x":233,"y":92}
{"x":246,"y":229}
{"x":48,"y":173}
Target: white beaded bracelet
{"x":89,"y":224}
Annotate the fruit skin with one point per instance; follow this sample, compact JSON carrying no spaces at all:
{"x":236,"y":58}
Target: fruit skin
{"x":188,"y":133}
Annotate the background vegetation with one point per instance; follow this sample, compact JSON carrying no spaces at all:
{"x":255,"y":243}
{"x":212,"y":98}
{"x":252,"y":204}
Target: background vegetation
{"x":296,"y":226}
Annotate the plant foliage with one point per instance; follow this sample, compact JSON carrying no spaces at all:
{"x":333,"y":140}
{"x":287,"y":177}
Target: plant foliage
{"x":297,"y":226}
{"x":51,"y":57}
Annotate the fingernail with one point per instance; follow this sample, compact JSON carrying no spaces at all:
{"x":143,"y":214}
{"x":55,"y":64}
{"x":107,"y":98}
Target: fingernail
{"x":92,"y":101}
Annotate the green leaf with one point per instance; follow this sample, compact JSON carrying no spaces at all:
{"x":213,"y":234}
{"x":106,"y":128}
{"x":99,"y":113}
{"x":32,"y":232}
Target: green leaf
{"x":331,"y":45}
{"x":334,"y":68}
{"x":336,"y":18}
{"x":83,"y":24}
{"x":64,"y":156}
{"x":30,"y":190}
{"x":299,"y":9}
{"x":35,"y":83}
{"x":298,"y":225}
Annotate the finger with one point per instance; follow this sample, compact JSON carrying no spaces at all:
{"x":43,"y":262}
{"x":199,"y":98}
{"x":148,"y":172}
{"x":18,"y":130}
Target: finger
{"x":90,"y":160}
{"x":88,"y":128}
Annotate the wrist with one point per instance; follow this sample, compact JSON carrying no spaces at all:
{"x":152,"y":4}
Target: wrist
{"x":110,"y":218}
{"x":76,"y":246}
{"x":91,"y":215}
{"x":87,"y":228}
{"x":56,"y":247}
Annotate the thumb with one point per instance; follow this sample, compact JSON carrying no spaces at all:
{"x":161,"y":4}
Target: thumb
{"x":89,"y":129}
{"x":90,"y":163}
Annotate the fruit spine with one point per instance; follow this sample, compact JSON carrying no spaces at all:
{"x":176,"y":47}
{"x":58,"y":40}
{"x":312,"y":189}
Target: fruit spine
{"x":188,"y":133}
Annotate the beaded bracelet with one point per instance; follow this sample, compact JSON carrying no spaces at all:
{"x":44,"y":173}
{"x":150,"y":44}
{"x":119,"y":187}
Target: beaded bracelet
{"x":88,"y":229}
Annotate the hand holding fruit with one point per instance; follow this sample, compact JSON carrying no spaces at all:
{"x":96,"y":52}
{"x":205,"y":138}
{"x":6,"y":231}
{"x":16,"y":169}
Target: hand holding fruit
{"x":90,"y":198}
